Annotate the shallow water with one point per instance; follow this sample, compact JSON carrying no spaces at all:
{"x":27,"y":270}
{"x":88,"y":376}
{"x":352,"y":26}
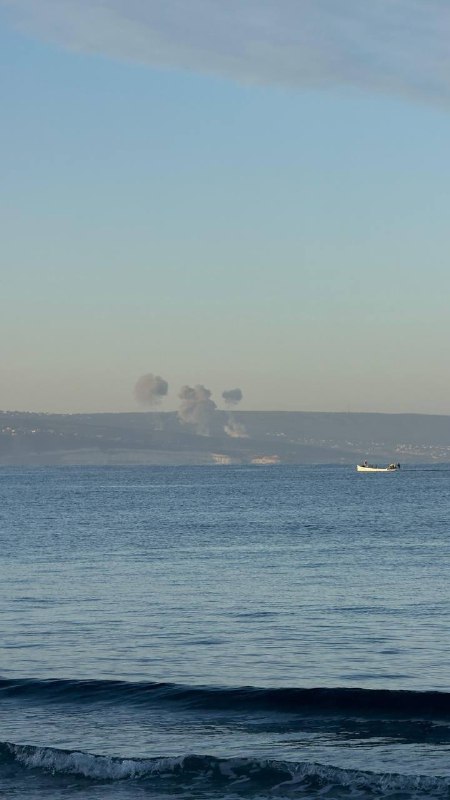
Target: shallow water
{"x":136,"y":603}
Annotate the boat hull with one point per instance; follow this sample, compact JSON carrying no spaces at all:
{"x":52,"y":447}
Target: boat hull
{"x":362,"y":468}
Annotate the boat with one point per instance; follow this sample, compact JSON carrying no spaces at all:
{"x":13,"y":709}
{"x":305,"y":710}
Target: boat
{"x":365,"y":467}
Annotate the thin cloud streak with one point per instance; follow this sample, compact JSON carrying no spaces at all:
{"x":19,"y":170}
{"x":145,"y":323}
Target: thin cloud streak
{"x":393,"y":46}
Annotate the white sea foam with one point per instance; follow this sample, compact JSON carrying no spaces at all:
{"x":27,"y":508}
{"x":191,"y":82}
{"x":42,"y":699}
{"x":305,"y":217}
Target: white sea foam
{"x":360,"y":784}
{"x":284,"y":778}
{"x":89,"y":765}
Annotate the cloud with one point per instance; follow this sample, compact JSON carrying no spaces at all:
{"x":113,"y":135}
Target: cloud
{"x":397,"y":46}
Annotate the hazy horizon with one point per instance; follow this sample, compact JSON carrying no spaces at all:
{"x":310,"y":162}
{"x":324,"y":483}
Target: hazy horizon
{"x":220,"y":409}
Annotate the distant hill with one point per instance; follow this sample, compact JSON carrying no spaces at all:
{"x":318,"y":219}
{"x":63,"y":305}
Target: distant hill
{"x":245,"y":437}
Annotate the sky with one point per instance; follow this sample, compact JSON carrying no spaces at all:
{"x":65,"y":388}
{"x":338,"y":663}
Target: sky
{"x":233,"y":193}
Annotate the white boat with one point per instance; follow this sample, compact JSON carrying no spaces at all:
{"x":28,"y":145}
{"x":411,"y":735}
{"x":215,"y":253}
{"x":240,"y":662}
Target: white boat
{"x":365,"y":467}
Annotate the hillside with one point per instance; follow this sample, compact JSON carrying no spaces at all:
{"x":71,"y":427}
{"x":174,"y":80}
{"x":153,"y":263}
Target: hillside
{"x":251,"y":437}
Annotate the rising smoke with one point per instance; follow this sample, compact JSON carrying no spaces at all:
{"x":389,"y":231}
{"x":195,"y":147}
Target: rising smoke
{"x":232,"y":396}
{"x":234,"y":428}
{"x":150,"y":390}
{"x":197,"y":408}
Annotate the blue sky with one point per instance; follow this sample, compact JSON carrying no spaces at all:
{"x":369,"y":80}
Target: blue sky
{"x":252,"y":194}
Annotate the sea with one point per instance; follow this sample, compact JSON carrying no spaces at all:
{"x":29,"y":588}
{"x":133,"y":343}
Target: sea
{"x":224,"y":632}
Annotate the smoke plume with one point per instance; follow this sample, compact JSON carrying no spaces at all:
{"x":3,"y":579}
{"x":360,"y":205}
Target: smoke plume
{"x":150,"y":390}
{"x":232,"y":427}
{"x":232,"y":396}
{"x":235,"y":429}
{"x":197,"y":408}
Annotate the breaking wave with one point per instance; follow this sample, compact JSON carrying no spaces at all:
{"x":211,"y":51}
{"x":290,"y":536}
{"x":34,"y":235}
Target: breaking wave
{"x":234,"y":774}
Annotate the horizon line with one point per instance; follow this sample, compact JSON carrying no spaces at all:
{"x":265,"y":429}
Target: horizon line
{"x":227,"y":411}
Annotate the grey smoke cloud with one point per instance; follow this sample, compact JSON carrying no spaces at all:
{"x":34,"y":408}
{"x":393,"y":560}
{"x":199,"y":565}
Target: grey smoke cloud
{"x":150,"y":389}
{"x":197,"y":408}
{"x":232,"y":427}
{"x":235,"y":429}
{"x":396,"y":46}
{"x":232,"y":396}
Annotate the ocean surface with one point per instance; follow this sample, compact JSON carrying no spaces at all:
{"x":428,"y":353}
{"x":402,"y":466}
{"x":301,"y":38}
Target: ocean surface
{"x":224,"y":632}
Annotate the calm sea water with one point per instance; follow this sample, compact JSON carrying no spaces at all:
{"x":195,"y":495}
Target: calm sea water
{"x":224,"y":632}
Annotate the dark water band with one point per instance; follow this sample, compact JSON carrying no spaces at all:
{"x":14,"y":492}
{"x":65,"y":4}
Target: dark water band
{"x":354,"y":701}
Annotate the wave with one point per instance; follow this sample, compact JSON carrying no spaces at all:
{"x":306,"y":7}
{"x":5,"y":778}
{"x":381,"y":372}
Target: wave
{"x":203,"y":771}
{"x":354,"y":701}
